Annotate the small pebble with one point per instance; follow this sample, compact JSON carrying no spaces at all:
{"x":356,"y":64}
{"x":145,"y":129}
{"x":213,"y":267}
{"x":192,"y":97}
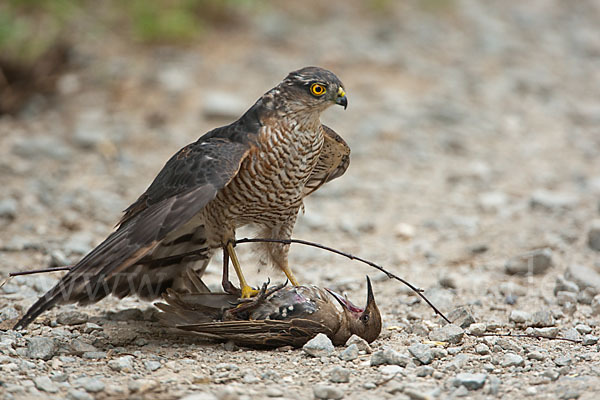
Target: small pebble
{"x":550,"y":332}
{"x":563,"y":298}
{"x":449,"y":333}
{"x":470,"y":381}
{"x":461,"y":316}
{"x":390,"y":370}
{"x":571,"y":334}
{"x":250,"y":378}
{"x":439,"y":352}
{"x":360,"y":343}
{"x":493,"y":325}
{"x":152,"y":365}
{"x":94,"y":355}
{"x":91,"y":327}
{"x":350,"y":353}
{"x":482,"y":349}
{"x":44,"y":384}
{"x":42,"y":348}
{"x":92,"y":385}
{"x":339,"y":375}
{"x":552,"y":374}
{"x":323,"y":391}
{"x":424,"y":370}
{"x":369,"y":385}
{"x":8,"y":313}
{"x":562,"y":361}
{"x":512,"y":360}
{"x":594,"y":236}
{"x":583,"y":329}
{"x":477,"y":329}
{"x":79,"y":347}
{"x":586,"y":296}
{"x":404,"y":231}
{"x":589,"y":340}
{"x":123,"y":363}
{"x":563,"y":285}
{"x":536,"y":355}
{"x":421,"y":352}
{"x":542,"y":319}
{"x":596,"y":305}
{"x":71,"y":318}
{"x":319,"y":346}
{"x":389,"y":356}
{"x":535,"y":262}
{"x":519,"y":317}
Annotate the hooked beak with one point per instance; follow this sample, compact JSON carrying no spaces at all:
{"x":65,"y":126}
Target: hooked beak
{"x":341,"y":98}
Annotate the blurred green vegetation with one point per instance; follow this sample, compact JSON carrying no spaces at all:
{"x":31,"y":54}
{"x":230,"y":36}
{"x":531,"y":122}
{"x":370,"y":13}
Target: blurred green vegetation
{"x":36,"y":35}
{"x":29,"y":27}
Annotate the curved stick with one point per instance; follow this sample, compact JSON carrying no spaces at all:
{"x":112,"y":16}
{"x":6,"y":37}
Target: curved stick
{"x":351,"y":257}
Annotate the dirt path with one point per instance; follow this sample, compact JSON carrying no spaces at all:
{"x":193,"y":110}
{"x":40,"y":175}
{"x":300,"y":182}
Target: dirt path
{"x":475,"y":138}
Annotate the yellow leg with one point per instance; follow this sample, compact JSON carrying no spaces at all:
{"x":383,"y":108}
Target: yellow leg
{"x":288,"y":272}
{"x":247,"y":291}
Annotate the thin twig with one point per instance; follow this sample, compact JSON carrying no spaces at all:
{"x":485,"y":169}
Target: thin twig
{"x":40,"y":271}
{"x":351,"y":257}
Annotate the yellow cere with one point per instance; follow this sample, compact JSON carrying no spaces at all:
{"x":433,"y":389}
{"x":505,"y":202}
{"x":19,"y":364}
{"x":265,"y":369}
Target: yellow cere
{"x":317,"y":89}
{"x":341,"y":92}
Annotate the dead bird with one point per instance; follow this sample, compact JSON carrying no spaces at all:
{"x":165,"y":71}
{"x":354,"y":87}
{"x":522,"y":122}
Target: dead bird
{"x":277,"y":316}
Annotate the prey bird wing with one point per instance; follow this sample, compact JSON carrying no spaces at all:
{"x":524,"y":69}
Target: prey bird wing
{"x":277,"y":316}
{"x":222,"y":316}
{"x":333,"y":161}
{"x":189,"y":181}
{"x":263,"y":333}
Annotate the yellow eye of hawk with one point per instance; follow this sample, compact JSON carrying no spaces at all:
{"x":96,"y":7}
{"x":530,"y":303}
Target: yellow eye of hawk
{"x":317,"y":89}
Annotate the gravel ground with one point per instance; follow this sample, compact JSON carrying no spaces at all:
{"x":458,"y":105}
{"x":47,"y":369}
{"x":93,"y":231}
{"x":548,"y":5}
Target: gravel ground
{"x":474,"y":129}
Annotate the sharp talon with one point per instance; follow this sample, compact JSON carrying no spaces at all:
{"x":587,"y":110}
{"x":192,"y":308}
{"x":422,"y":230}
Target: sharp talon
{"x":275,"y":289}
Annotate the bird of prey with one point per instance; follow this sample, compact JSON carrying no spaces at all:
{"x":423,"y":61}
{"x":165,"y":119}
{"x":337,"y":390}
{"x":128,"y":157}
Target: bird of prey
{"x":279,"y":316}
{"x":256,"y":170}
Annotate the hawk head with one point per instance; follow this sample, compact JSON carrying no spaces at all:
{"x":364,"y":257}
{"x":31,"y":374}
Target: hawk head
{"x":313,"y":88}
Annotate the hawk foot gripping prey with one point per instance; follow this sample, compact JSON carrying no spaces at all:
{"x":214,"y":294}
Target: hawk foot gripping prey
{"x":246,"y":290}
{"x":256,"y":170}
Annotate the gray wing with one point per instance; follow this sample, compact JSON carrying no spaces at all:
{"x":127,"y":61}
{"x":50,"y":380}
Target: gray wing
{"x":189,"y":181}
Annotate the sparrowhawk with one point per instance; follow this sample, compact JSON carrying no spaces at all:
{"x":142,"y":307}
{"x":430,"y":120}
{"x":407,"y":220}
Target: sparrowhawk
{"x":255,"y":170}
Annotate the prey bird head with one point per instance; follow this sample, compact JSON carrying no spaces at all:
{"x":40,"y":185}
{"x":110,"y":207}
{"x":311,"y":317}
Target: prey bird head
{"x":314,"y":88}
{"x":364,"y":322}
